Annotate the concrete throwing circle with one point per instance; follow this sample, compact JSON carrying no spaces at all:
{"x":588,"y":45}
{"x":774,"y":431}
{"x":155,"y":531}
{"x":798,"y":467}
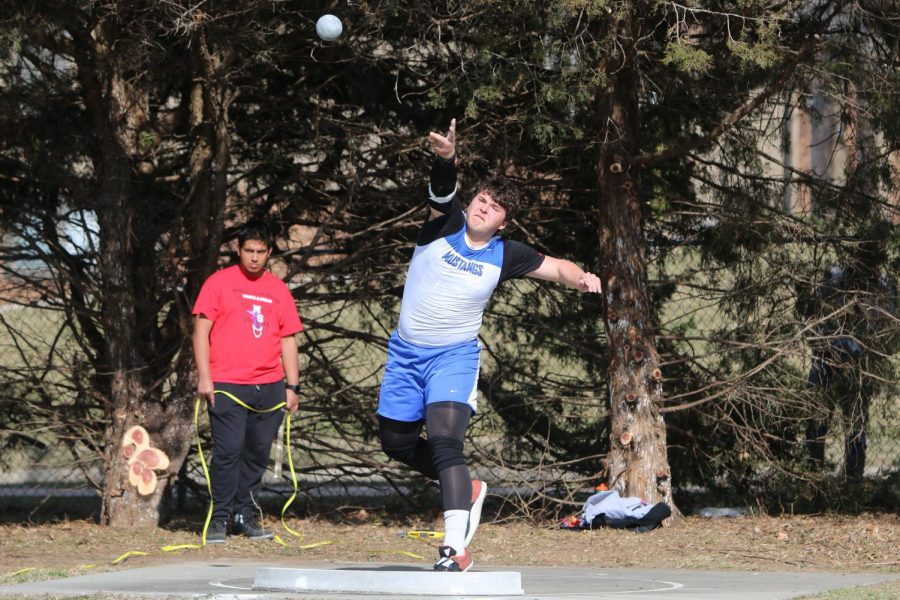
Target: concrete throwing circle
{"x":415,"y":583}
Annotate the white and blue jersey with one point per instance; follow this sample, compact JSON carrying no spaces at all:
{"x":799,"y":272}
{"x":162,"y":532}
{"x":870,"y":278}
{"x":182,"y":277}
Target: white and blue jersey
{"x":433,"y":356}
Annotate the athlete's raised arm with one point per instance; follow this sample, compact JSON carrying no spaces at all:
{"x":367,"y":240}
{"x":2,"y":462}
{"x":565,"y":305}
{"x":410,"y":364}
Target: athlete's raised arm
{"x":443,"y":170}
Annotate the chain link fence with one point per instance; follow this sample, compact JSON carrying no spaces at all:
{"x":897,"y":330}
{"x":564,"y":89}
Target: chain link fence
{"x":40,"y":470}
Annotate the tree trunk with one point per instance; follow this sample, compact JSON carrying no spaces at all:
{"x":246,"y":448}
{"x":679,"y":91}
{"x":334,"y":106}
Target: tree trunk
{"x":128,"y":401}
{"x":210,"y":101}
{"x":801,"y":158}
{"x":170,"y":428}
{"x":117,"y":102}
{"x":637,"y":464}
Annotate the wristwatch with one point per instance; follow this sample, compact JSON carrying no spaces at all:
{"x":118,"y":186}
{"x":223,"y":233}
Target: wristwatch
{"x":294,"y":387}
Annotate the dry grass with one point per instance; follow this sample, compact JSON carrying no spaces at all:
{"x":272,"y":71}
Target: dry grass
{"x":807,"y":543}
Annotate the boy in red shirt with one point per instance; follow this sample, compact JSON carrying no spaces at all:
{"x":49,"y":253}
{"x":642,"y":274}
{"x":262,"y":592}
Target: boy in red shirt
{"x":244,"y":325}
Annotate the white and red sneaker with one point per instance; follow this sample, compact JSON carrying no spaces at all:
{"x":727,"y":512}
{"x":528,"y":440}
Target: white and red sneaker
{"x":450,"y":561}
{"x":479,"y":491}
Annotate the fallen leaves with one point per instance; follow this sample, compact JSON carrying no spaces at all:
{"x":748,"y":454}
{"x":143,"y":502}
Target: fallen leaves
{"x":837,"y":543}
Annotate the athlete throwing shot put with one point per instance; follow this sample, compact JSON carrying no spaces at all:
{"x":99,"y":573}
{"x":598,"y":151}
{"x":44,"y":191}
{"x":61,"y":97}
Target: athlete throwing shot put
{"x":433,"y":357}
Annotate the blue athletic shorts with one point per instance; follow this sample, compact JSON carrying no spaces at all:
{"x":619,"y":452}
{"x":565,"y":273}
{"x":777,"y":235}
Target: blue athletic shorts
{"x":415,"y":377}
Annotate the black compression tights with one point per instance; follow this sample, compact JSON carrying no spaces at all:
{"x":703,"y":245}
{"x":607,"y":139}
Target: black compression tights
{"x":440,"y":457}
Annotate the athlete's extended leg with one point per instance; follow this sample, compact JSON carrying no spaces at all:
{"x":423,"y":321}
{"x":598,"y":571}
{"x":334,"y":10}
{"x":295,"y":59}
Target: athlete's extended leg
{"x":401,"y":407}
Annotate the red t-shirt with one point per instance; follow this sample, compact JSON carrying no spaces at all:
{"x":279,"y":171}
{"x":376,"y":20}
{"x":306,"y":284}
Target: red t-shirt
{"x":249,"y":319}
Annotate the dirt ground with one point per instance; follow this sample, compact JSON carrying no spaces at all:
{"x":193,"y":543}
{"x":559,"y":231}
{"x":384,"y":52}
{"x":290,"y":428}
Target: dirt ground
{"x":800,"y":543}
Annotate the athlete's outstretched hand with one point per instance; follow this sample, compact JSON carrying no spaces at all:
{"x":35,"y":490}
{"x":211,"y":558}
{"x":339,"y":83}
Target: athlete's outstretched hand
{"x":589,"y":283}
{"x":444,"y":145}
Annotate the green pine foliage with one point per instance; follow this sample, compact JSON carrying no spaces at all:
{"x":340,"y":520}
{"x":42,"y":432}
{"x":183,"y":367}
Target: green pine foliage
{"x":327,"y":140}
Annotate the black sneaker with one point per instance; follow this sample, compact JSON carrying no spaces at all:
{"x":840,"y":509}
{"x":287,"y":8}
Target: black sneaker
{"x":215,"y":533}
{"x":251,"y":528}
{"x":450,"y":561}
